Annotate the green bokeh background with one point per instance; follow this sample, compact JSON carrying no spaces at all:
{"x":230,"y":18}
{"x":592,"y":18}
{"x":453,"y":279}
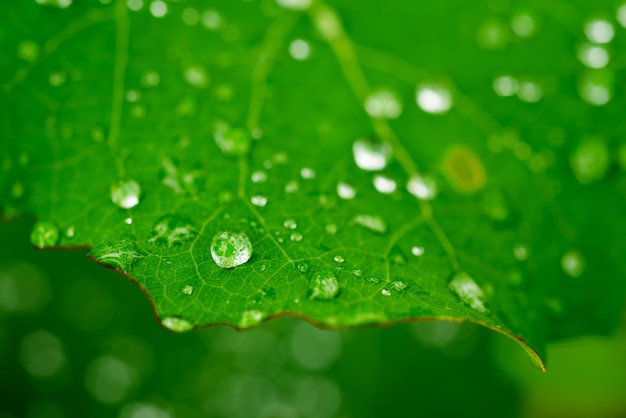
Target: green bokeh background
{"x":78,"y":340}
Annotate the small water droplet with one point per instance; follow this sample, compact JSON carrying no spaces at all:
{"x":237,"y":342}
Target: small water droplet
{"x":134,"y":5}
{"x":171,"y":230}
{"x":258,"y":200}
{"x":374,"y":280}
{"x":259,"y":176}
{"x":573,"y":263}
{"x":331,"y":229}
{"x":150,"y":79}
{"x":599,"y":31}
{"x":290,"y":224}
{"x":128,"y":221}
{"x":357,"y":273}
{"x":307,"y":173}
{"x":520,"y":251}
{"x":133,"y":96}
{"x":123,"y":255}
{"x":61,"y":4}
{"x":231,"y":249}
{"x":188,"y":289}
{"x":299,"y":49}
{"x":383,"y":103}
{"x":384,"y":184}
{"x":417,"y":251}
{"x":324,"y":285}
{"x":28,"y":51}
{"x":434,"y":98}
{"x":423,"y":187}
{"x":44,"y":234}
{"x":231,"y":141}
{"x":292,"y":187}
{"x":190,"y":16}
{"x":303,"y":266}
{"x":196,"y":76}
{"x":57,"y":78}
{"x":70,"y":232}
{"x":468,"y":291}
{"x":493,"y":34}
{"x":345,"y":190}
{"x":529,"y":92}
{"x":176,"y":324}
{"x":339,"y":259}
{"x":294,"y":4}
{"x":125,"y":194}
{"x":596,"y":87}
{"x":250,"y":318}
{"x":212,"y":19}
{"x":158,"y":8}
{"x":385,"y":292}
{"x":397,"y":286}
{"x":523,"y":24}
{"x":505,"y":86}
{"x":591,"y":160}
{"x":374,"y":223}
{"x":296,"y":237}
{"x":371,"y":155}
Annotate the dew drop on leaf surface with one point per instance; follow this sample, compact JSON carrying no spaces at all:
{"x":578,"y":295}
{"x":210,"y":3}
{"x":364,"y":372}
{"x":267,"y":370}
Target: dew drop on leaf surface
{"x":371,"y":155}
{"x":231,"y":249}
{"x":125,"y":194}
{"x":468,"y":291}
{"x":44,"y":234}
{"x":324,"y":285}
{"x":176,"y":324}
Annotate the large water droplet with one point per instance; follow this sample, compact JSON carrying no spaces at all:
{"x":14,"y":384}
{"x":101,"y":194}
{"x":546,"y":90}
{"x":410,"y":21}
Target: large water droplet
{"x":172,"y":230}
{"x":158,"y":8}
{"x":250,"y":318}
{"x":324,"y":285}
{"x":599,"y":31}
{"x":374,"y":223}
{"x":371,"y":155}
{"x":423,"y":187}
{"x":231,"y":141}
{"x":44,"y":234}
{"x":61,"y":4}
{"x":231,"y":249}
{"x":176,"y":324}
{"x":573,"y":263}
{"x":434,"y":98}
{"x":591,"y":160}
{"x":383,"y":103}
{"x":123,"y":255}
{"x":125,"y":194}
{"x":468,"y":291}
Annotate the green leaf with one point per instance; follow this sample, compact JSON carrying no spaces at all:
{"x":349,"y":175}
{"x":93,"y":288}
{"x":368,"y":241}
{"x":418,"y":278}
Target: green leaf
{"x":352,"y":164}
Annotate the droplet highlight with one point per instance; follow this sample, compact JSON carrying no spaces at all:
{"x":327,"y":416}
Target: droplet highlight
{"x":231,"y":249}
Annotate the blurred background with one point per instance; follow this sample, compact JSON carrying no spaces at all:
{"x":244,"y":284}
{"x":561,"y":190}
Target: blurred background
{"x":79,"y":340}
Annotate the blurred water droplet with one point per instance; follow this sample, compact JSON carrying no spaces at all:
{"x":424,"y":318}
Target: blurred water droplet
{"x":383,"y":103}
{"x":299,"y":49}
{"x":70,"y":232}
{"x":621,"y":15}
{"x":150,"y":79}
{"x":44,"y":234}
{"x":423,"y":187}
{"x":599,"y":31}
{"x":190,"y":16}
{"x":523,"y":24}
{"x":144,"y":410}
{"x":171,"y":230}
{"x":591,"y":160}
{"x":303,"y":266}
{"x":520,"y":251}
{"x":324,"y":285}
{"x":596,"y":87}
{"x":57,"y":78}
{"x":259,"y":176}
{"x":61,"y":4}
{"x":42,"y":354}
{"x":231,"y":249}
{"x":158,"y":8}
{"x":290,"y":224}
{"x":292,"y":187}
{"x":294,"y":4}
{"x":176,"y":324}
{"x":231,"y":141}
{"x":345,"y":190}
{"x":133,"y":96}
{"x":593,"y":56}
{"x":385,"y":292}
{"x":374,"y":280}
{"x":296,"y":237}
{"x":468,"y":291}
{"x":188,"y":289}
{"x":417,"y":251}
{"x":125,"y":194}
{"x":258,"y":200}
{"x":307,"y":173}
{"x":529,"y":92}
{"x":28,"y":51}
{"x":371,"y":155}
{"x":196,"y":76}
{"x":357,"y":273}
{"x":384,"y":184}
{"x":573,"y":263}
{"x":123,"y":255}
{"x":339,"y":259}
{"x":331,"y":229}
{"x":433,"y":98}
{"x":506,"y":86}
{"x":128,"y":221}
{"x":250,"y":318}
{"x":374,"y":223}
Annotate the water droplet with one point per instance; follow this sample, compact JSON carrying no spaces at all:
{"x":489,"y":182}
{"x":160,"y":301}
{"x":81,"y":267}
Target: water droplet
{"x":300,"y":49}
{"x":231,"y":249}
{"x":250,"y":318}
{"x":61,"y":4}
{"x":596,"y":87}
{"x":593,"y":56}
{"x":573,"y":263}
{"x":188,"y":289}
{"x":529,"y":92}
{"x":357,"y":273}
{"x":371,"y":155}
{"x":591,"y":160}
{"x":158,"y":8}
{"x":345,"y":191}
{"x":296,"y":237}
{"x":259,"y":176}
{"x":260,"y":201}
{"x":621,"y":15}
{"x":385,"y":292}
{"x":433,"y":98}
{"x":384,"y":184}
{"x":599,"y":31}
{"x":523,"y":24}
{"x":125,"y":194}
{"x":292,"y":187}
{"x":374,"y":280}
{"x":397,"y":286}
{"x":307,"y":173}
{"x":417,"y":251}
{"x":150,"y":78}
{"x":383,"y":103}
{"x":172,"y":230}
{"x":520,"y":251}
{"x":190,"y":16}
{"x":324,"y":285}
{"x":176,"y":324}
{"x":28,"y":51}
{"x":339,"y":259}
{"x":423,"y":187}
{"x":505,"y":86}
{"x":231,"y":141}
{"x":128,"y":221}
{"x":294,"y":4}
{"x":290,"y":224}
{"x":374,"y":223}
{"x":123,"y":255}
{"x":468,"y":291}
{"x":196,"y":76}
{"x":44,"y":235}
{"x":212,"y":19}
{"x":133,"y":96}
{"x":70,"y":232}
{"x":331,"y":229}
{"x":303,"y":266}
{"x":134,"y":5}
{"x":57,"y":78}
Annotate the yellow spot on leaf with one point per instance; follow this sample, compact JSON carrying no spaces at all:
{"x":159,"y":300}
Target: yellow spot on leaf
{"x":464,"y":169}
